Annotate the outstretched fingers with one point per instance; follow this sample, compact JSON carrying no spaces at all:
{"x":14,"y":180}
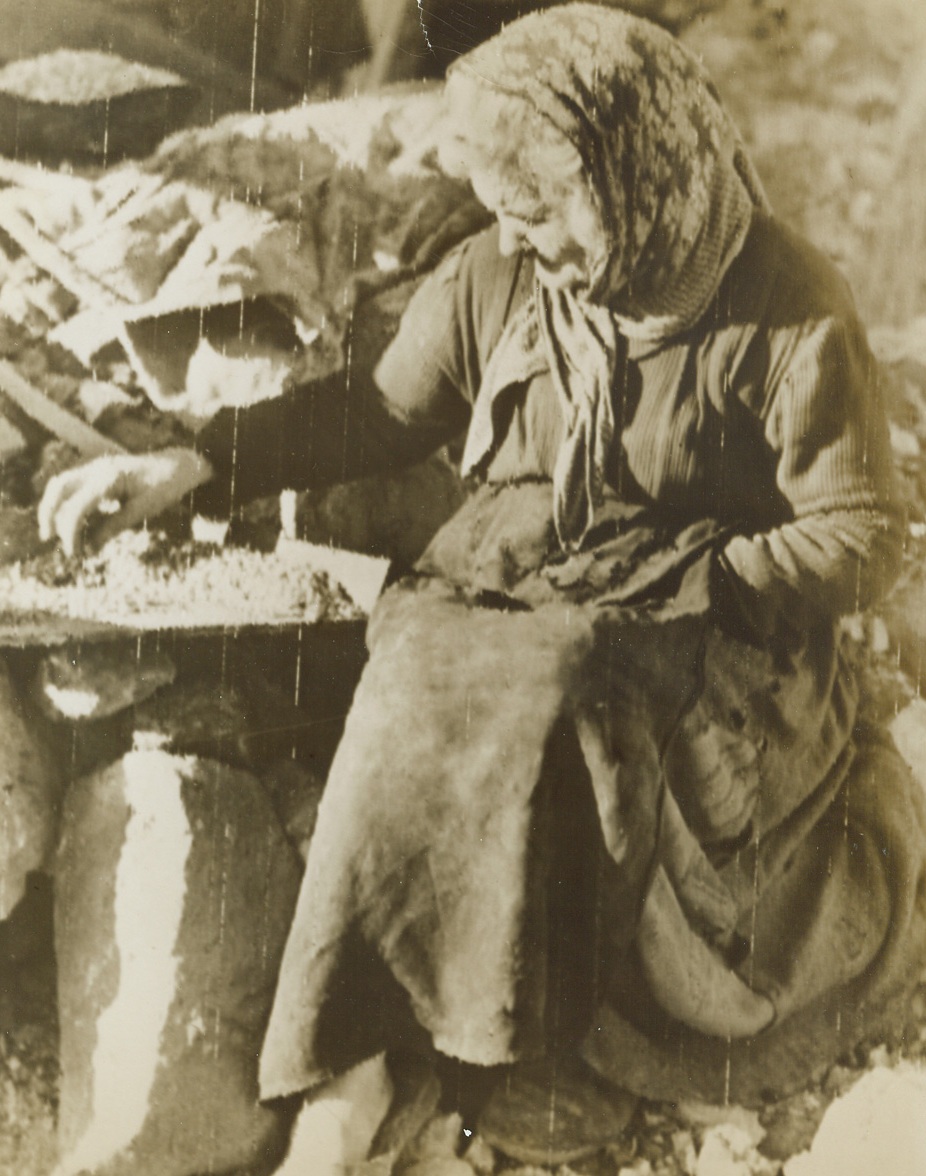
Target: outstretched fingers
{"x":72,"y":497}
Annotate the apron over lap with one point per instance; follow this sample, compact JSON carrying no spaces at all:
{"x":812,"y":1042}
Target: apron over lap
{"x":569,"y":810}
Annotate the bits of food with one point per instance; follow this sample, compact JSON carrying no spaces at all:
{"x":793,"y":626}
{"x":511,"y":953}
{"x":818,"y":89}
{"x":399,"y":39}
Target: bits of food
{"x":146,"y":580}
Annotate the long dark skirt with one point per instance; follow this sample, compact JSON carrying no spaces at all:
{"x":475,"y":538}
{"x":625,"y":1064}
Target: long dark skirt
{"x":572,"y":809}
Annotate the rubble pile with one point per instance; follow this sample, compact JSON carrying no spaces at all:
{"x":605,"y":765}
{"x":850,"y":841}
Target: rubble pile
{"x":310,"y":212}
{"x":264,"y":249}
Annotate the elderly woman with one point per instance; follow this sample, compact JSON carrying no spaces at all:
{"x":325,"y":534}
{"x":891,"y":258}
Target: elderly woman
{"x":601,"y":795}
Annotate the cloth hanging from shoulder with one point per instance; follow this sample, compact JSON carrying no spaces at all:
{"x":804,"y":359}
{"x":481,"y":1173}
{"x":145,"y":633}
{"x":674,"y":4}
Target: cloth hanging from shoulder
{"x":676,"y":192}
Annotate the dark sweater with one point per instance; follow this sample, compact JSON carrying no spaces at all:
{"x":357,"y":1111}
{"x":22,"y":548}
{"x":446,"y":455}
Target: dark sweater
{"x":766,"y":415}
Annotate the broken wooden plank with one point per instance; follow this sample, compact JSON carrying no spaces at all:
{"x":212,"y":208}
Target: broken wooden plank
{"x":63,"y":423}
{"x":48,"y":257}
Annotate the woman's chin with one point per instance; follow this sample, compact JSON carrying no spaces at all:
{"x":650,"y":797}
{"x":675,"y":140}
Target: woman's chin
{"x":568,"y":279}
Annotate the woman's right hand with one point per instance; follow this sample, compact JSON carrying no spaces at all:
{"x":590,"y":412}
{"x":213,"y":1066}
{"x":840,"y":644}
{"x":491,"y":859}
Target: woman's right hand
{"x":125,"y":489}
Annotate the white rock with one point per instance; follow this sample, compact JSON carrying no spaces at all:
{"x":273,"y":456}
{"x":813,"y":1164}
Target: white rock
{"x":880,"y":636}
{"x":438,"y":1139}
{"x":480,"y":1157}
{"x":95,"y":681}
{"x":728,"y":1150}
{"x":638,"y":1168}
{"x":699,"y":1114}
{"x":878,"y":1127}
{"x":904,"y":442}
{"x":335,"y":1127}
{"x":685,"y":1152}
{"x":909,"y":732}
{"x":96,"y":396}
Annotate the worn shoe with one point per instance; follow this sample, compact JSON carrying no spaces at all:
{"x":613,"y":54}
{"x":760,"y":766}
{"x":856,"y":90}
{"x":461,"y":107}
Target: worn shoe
{"x":554,"y":1112}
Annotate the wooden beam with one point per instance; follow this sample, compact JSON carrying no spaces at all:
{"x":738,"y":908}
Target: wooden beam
{"x":59,"y":421}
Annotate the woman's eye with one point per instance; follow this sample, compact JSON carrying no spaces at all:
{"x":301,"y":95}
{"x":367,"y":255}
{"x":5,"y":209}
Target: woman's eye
{"x":529,"y":220}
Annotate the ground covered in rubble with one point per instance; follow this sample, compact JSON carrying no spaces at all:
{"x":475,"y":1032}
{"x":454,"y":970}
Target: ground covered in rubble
{"x":832,"y":98}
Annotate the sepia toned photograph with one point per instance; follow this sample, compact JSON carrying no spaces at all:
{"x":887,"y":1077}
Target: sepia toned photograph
{"x":462,"y":588}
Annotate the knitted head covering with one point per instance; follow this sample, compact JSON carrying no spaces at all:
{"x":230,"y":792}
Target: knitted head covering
{"x":674,"y":188}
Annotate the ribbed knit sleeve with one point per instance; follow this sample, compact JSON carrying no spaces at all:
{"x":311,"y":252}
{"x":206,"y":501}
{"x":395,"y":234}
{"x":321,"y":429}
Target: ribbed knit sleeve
{"x":311,"y":436}
{"x":351,"y":424}
{"x":825,"y":422}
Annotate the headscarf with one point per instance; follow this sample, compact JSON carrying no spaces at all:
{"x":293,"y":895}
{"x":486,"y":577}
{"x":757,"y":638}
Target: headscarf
{"x":676,"y":193}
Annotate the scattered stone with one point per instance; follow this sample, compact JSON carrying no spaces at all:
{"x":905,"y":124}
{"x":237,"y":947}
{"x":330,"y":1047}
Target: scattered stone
{"x":791,"y":1124}
{"x":728,"y":1150}
{"x":439,"y":1139}
{"x":637,"y":1168}
{"x":336,"y":1125}
{"x":909,"y":733}
{"x":684,"y":1150}
{"x":96,"y":680}
{"x":175,"y":892}
{"x":480,"y":1156}
{"x":879,"y":1126}
{"x":701,"y":1114}
{"x":28,"y":1074}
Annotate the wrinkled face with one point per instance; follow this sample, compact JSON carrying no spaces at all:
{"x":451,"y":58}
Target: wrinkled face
{"x":557,"y":224}
{"x":530,"y":176}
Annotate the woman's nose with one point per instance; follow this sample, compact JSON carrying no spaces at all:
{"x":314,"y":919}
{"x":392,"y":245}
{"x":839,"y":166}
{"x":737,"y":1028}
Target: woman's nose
{"x":510,"y":238}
